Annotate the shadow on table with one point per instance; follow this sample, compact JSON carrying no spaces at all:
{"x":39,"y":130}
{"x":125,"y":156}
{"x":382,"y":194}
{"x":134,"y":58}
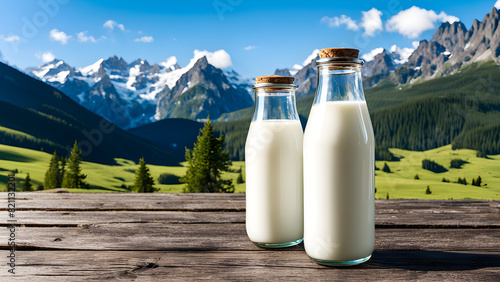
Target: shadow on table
{"x":432,"y":260}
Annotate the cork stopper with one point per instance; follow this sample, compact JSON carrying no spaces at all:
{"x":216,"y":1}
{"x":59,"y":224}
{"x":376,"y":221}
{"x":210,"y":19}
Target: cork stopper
{"x":338,"y":53}
{"x":274,"y":79}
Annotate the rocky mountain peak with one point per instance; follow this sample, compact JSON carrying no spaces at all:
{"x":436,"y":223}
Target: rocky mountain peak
{"x":493,"y":15}
{"x":382,"y":63}
{"x":451,"y":47}
{"x":201,"y":73}
{"x":202,"y":63}
{"x":282,"y":72}
{"x":55,"y":71}
{"x":115,"y":63}
{"x":451,"y":36}
{"x":142,"y":64}
{"x":203,"y":90}
{"x":154,"y":69}
{"x":378,"y":69}
{"x":306,"y":78}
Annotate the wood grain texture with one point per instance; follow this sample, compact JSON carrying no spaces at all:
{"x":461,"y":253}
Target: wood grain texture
{"x":154,"y":237}
{"x":251,"y":265}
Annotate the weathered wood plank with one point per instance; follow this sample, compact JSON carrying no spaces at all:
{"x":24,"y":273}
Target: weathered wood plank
{"x":290,"y":264}
{"x":125,"y":201}
{"x":214,"y":202}
{"x":416,"y":213}
{"x":214,"y":237}
{"x":384,"y":218}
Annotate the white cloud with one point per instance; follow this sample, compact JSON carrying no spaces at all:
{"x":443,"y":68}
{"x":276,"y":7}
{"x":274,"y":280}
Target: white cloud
{"x":82,"y":37}
{"x":497,"y":4}
{"x":12,"y":38}
{"x":46,"y":57}
{"x":413,"y":21}
{"x":219,"y":59}
{"x":371,"y":21}
{"x":402,"y":53}
{"x":343,"y":20}
{"x":370,"y":55}
{"x":416,"y":43}
{"x":145,"y":39}
{"x":171,"y":61}
{"x":250,"y":47}
{"x":311,"y":57}
{"x":56,"y":35}
{"x":447,"y":18}
{"x":110,"y":24}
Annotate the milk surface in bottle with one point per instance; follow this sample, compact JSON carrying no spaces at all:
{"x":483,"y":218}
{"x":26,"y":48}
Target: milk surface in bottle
{"x":339,"y":160}
{"x":273,"y":162}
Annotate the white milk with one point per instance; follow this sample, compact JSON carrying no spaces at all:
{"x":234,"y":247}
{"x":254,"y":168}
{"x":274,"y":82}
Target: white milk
{"x":274,"y":202}
{"x":339,"y":182}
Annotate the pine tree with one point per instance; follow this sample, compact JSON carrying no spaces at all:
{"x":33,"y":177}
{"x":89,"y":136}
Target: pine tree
{"x":62,"y":168}
{"x":416,"y":177}
{"x":52,"y":176}
{"x":144,"y":182}
{"x":478,"y":181}
{"x":240,"y":180}
{"x":386,"y":168}
{"x":27,"y":186}
{"x":73,"y":176}
{"x":428,"y":191}
{"x":205,"y":163}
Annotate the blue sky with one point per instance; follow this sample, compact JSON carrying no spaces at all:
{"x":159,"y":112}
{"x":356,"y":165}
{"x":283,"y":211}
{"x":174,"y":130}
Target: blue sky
{"x":256,"y":36}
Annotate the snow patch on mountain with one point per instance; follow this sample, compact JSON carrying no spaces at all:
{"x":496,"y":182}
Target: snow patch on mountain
{"x":42,"y":71}
{"x":92,"y":69}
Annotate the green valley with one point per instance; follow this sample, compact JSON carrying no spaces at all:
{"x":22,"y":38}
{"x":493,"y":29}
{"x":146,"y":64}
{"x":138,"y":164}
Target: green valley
{"x":399,"y":183}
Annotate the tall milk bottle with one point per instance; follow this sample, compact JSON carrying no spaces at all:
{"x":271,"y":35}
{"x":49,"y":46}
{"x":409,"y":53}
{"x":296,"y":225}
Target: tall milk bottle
{"x":339,"y":160}
{"x":273,"y":161}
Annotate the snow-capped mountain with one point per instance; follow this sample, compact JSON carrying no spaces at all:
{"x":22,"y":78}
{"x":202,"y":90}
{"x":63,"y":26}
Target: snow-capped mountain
{"x":452,"y":47}
{"x":202,"y":91}
{"x":129,"y":94}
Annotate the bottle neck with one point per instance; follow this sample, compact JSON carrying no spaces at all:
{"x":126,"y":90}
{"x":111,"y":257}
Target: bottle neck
{"x":339,"y":83}
{"x":275,"y":104}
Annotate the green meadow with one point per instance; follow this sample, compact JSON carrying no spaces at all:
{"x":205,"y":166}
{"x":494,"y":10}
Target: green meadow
{"x":399,"y":184}
{"x":102,"y":178}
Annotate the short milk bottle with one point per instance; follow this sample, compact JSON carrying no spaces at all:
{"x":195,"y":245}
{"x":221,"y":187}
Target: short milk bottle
{"x":273,"y":161}
{"x":339,"y":160}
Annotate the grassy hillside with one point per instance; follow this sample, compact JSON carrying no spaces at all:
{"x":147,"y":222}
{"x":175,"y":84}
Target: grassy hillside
{"x":102,"y":178}
{"x":400,"y":183}
{"x":37,"y":116}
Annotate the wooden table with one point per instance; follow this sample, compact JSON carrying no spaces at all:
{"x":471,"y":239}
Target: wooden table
{"x":154,"y":237}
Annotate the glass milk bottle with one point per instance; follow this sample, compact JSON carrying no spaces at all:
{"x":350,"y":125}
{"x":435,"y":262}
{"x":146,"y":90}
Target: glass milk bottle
{"x":339,"y":160}
{"x":273,"y":162}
